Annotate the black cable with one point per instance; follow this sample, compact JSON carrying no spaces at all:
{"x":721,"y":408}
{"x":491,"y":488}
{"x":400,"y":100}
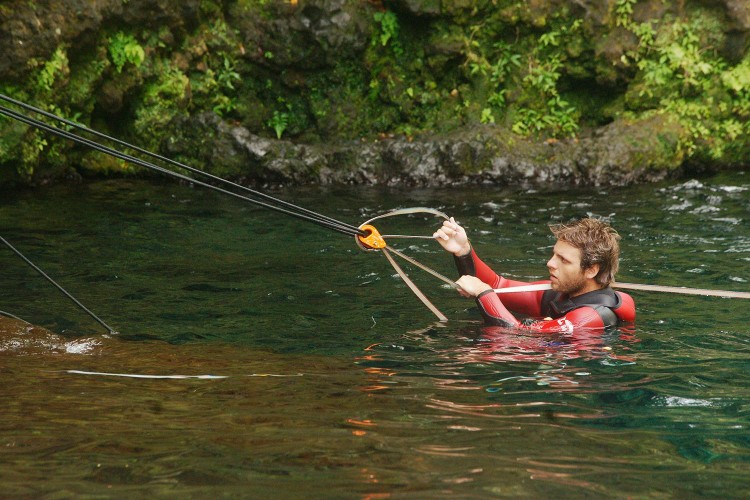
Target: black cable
{"x":9,"y":315}
{"x":175,"y":163}
{"x":332,"y":224}
{"x":37,"y":269}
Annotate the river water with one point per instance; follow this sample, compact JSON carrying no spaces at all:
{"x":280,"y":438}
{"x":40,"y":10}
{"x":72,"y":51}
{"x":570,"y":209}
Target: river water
{"x":261,"y":356}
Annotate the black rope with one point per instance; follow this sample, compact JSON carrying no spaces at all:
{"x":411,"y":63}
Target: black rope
{"x":173,"y":162}
{"x":37,"y":269}
{"x":9,"y":315}
{"x":297,"y":211}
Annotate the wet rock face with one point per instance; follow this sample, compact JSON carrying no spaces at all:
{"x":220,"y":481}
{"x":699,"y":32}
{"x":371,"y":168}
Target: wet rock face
{"x":308,"y":36}
{"x":297,"y":39}
{"x":30,"y":30}
{"x":617,"y":154}
{"x":738,"y":11}
{"x":305,"y":34}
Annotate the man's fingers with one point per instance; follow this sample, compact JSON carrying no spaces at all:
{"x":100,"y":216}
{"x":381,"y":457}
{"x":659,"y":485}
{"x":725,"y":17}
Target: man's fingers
{"x":445,"y":232}
{"x":440,"y":234}
{"x":448,"y":230}
{"x":452,"y":225}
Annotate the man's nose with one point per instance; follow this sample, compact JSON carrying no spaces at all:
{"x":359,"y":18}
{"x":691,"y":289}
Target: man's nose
{"x":551,"y":263}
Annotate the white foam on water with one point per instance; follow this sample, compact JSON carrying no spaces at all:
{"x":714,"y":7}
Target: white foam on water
{"x":176,"y":377}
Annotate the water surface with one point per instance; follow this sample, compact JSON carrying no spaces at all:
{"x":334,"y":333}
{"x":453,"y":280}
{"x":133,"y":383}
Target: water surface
{"x":262,"y":356}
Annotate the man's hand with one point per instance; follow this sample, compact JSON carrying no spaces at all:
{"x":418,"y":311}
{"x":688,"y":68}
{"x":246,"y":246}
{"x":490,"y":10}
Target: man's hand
{"x":471,"y":286}
{"x":453,"y":238}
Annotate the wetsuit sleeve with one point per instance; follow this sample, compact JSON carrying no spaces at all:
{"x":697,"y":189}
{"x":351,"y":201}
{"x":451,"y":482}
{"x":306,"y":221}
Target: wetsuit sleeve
{"x":494,"y":311}
{"x":626,"y":311}
{"x":527,"y":303}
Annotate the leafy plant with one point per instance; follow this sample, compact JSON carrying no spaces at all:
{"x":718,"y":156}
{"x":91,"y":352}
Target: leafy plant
{"x":222,"y":104}
{"x":505,"y":61}
{"x":542,"y":109}
{"x":680,"y":72}
{"x":279,"y":122}
{"x":226,"y":74}
{"x":487,"y":116}
{"x":624,"y":13}
{"x":389,"y":29}
{"x":52,"y":69}
{"x":123,"y":49}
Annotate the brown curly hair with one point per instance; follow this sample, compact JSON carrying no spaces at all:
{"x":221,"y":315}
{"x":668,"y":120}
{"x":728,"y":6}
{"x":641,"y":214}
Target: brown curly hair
{"x":598,"y":242}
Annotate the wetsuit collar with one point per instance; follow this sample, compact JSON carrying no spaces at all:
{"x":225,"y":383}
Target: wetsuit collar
{"x":559,"y":304}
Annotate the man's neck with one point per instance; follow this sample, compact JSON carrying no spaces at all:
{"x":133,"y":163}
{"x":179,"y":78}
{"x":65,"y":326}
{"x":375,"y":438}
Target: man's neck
{"x":589,"y":287}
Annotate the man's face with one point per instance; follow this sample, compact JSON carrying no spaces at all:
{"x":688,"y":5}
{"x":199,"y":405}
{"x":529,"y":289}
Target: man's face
{"x":565,"y":269}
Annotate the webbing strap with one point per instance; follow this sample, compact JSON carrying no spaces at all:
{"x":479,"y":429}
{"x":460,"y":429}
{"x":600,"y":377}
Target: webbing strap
{"x":413,"y":287}
{"x":425,"y":268}
{"x":421,"y":296}
{"x":683,"y":290}
{"x":638,"y":286}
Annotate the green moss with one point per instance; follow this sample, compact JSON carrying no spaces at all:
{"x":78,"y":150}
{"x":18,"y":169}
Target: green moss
{"x":526,"y":65}
{"x":679,"y":75}
{"x":13,"y":134}
{"x":99,"y":164}
{"x":162,"y":100}
{"x":211,"y":9}
{"x":85,"y":79}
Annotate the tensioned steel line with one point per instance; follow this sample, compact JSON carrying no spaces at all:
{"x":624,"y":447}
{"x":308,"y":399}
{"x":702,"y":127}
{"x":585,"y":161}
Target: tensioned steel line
{"x":282,"y":206}
{"x":270,"y":201}
{"x":65,"y":292}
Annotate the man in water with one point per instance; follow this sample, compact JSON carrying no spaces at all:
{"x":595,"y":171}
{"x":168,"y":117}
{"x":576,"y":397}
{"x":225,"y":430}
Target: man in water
{"x":582,"y":267}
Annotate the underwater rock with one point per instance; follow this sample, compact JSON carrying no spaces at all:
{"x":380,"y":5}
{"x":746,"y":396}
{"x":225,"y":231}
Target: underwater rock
{"x":17,"y":337}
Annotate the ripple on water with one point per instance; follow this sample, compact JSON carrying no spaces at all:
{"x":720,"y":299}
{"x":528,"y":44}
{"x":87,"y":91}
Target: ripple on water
{"x":253,"y":363}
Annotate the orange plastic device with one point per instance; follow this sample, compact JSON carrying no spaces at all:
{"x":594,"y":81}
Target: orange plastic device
{"x":373,"y":239}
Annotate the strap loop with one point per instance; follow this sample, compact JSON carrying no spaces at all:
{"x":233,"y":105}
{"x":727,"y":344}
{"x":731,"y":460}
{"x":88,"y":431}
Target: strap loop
{"x":373,"y":241}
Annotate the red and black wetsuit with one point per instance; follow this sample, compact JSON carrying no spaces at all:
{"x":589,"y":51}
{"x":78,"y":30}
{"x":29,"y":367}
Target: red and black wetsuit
{"x":599,"y":309}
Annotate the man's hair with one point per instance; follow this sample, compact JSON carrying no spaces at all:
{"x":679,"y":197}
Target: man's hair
{"x":598,"y":243}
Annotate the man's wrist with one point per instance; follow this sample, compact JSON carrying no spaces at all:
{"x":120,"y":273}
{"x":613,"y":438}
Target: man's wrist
{"x":466,"y":250}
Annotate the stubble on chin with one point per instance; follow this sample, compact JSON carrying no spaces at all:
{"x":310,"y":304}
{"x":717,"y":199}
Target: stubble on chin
{"x":569,"y":288}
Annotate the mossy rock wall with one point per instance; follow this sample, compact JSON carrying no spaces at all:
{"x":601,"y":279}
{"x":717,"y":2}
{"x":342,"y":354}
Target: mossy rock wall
{"x":406,"y":91}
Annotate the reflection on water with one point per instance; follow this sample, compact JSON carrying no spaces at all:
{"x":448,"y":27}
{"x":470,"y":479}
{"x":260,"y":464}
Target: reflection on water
{"x":260,"y":357}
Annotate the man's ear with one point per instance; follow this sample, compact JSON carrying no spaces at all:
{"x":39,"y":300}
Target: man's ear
{"x":591,"y":271}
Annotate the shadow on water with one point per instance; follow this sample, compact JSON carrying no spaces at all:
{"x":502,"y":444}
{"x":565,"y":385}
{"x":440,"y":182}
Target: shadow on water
{"x":262,"y":358}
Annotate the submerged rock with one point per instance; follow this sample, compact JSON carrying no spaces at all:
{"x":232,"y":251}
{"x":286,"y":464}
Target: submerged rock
{"x":17,"y":337}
